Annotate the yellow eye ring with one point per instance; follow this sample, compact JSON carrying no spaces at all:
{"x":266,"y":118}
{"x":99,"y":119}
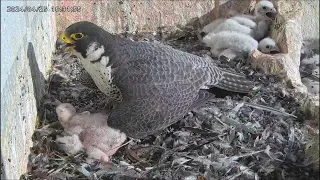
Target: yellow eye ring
{"x":77,"y":36}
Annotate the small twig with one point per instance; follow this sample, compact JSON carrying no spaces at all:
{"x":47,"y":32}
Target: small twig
{"x":240,"y":173}
{"x":117,"y":147}
{"x":270,"y":109}
{"x":219,"y":120}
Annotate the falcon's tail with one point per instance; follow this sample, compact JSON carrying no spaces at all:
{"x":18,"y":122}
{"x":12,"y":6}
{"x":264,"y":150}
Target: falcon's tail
{"x":234,"y":82}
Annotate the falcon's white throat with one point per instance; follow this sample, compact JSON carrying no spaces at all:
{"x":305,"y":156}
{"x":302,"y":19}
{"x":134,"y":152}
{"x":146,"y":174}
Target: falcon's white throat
{"x":99,"y":72}
{"x":94,"y":52}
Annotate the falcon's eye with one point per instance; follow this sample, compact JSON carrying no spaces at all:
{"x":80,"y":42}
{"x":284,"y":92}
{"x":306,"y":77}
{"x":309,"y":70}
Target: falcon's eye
{"x":77,"y":36}
{"x":268,"y":46}
{"x":264,"y":7}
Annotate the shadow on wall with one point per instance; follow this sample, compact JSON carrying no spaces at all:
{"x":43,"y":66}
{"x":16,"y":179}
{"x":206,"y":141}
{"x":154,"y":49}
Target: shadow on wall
{"x":224,"y":10}
{"x":3,"y":174}
{"x":38,"y":80}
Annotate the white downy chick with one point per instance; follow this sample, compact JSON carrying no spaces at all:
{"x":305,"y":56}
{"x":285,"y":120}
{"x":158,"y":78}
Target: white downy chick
{"x":234,"y":26}
{"x":74,"y":123}
{"x":245,"y":21}
{"x":236,"y":23}
{"x":264,"y":13}
{"x":98,"y":139}
{"x":101,"y":142}
{"x":211,"y":26}
{"x":268,"y":46}
{"x":264,"y":10}
{"x":262,"y":29}
{"x":241,"y":44}
{"x":70,"y":144}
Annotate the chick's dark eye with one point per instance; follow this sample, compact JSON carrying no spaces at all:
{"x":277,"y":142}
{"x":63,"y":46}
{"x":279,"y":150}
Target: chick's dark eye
{"x":268,"y":46}
{"x":264,"y":7}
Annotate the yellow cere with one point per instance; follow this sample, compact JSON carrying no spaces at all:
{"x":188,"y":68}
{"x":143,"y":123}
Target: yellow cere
{"x":68,"y":49}
{"x":66,"y":39}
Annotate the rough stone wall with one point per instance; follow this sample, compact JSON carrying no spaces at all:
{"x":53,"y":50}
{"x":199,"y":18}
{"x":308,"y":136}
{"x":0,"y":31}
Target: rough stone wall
{"x":27,"y":42}
{"x":310,"y":19}
{"x":27,"y":45}
{"x":141,"y":15}
{"x":124,"y":15}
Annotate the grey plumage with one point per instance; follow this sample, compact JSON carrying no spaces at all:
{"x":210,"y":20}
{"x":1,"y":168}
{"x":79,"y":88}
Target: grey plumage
{"x":159,"y":84}
{"x":158,"y":92}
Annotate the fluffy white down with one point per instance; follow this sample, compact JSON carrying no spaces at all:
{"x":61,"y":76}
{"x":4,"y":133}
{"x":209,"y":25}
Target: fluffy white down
{"x":211,"y":26}
{"x":245,"y":21}
{"x":267,"y":45}
{"x":258,"y":23}
{"x":237,"y":42}
{"x":90,"y":132}
{"x":234,"y":26}
{"x":70,"y":144}
{"x":262,"y":7}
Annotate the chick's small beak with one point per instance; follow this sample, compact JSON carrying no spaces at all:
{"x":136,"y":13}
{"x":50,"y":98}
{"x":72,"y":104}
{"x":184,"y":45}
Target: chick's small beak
{"x":272,"y":14}
{"x":275,"y":50}
{"x":64,"y":43}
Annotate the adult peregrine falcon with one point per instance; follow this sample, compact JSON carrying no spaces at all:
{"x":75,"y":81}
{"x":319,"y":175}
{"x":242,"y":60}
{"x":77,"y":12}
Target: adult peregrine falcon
{"x":159,"y":84}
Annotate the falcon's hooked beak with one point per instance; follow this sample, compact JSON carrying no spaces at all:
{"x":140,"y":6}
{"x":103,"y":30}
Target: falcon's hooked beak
{"x":65,"y":43}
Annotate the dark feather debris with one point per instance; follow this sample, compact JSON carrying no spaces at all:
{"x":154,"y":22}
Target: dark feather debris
{"x":232,"y":137}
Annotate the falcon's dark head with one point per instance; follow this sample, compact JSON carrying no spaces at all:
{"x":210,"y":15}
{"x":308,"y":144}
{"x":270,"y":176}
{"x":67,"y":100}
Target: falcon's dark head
{"x":85,"y":40}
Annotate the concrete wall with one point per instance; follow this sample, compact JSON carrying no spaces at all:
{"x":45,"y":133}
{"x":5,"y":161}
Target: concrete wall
{"x":124,"y":15}
{"x":310,"y":19}
{"x":27,"y":42}
{"x":140,"y":15}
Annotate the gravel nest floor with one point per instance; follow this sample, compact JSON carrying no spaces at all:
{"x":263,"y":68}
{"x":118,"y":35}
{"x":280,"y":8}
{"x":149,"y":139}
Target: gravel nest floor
{"x":230,"y":138}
